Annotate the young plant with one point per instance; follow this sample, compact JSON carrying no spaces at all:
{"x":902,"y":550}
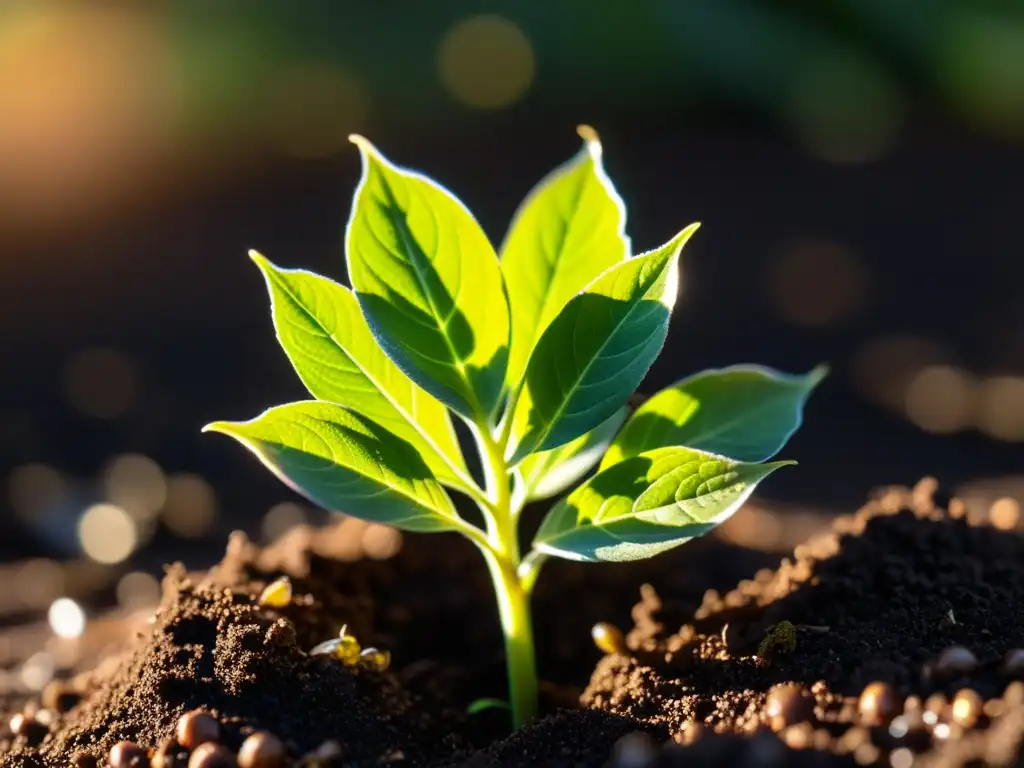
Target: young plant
{"x":537,"y":353}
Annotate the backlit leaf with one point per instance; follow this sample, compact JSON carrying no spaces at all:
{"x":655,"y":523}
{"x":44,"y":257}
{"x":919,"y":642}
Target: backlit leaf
{"x":329,"y":344}
{"x":745,"y":411}
{"x":548,"y":473}
{"x":429,"y":285}
{"x":597,"y":350}
{"x":648,"y":504}
{"x":568,"y":230}
{"x":345,"y":462}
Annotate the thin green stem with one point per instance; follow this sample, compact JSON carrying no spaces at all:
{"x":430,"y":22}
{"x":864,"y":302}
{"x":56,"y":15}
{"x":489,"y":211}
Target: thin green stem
{"x":517,"y":627}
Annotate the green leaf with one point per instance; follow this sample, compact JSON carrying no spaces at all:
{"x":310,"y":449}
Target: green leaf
{"x":429,"y":285}
{"x":482,"y":705}
{"x":548,"y":473}
{"x":568,"y":230}
{"x":329,"y":344}
{"x":345,"y":462}
{"x":648,"y":504}
{"x":746,"y":412}
{"x":597,"y":350}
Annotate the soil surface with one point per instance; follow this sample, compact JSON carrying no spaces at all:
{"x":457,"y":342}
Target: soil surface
{"x":889,"y":639}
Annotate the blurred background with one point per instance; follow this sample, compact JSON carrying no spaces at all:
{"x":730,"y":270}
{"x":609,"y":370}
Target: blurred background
{"x":857,"y":166}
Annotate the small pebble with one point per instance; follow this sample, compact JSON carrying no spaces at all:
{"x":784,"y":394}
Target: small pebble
{"x":967,"y":707}
{"x":956,"y":661}
{"x":608,"y":638}
{"x":126,"y":754}
{"x":31,"y":729}
{"x":1013,"y":663}
{"x":329,"y":751}
{"x":195,"y":728}
{"x":634,"y":750}
{"x":262,"y":750}
{"x":375,"y":659}
{"x":277,"y":594}
{"x":878,"y":704}
{"x":210,"y":755}
{"x":170,"y":754}
{"x":787,"y":704}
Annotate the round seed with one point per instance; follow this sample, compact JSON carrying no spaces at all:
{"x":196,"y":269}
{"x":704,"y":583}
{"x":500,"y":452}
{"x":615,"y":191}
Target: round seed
{"x":125,"y":754}
{"x":58,"y":697}
{"x":170,"y":754}
{"x":608,"y":638}
{"x":955,"y":661}
{"x":878,"y":704}
{"x":210,"y":755}
{"x":29,"y":728}
{"x":375,"y":659}
{"x":262,"y":750}
{"x":967,"y":707}
{"x":195,"y":728}
{"x":277,"y":594}
{"x":788,"y":704}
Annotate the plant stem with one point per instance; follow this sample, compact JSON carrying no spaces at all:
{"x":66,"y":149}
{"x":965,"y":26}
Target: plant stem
{"x":502,"y":556}
{"x":517,"y":627}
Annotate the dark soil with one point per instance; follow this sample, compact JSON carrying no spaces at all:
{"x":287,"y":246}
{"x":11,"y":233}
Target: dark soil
{"x":876,"y":600}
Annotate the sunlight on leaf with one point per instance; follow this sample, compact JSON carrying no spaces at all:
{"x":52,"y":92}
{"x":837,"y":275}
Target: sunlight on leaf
{"x":648,"y":504}
{"x":347,"y":463}
{"x":746,"y":412}
{"x":429,"y":285}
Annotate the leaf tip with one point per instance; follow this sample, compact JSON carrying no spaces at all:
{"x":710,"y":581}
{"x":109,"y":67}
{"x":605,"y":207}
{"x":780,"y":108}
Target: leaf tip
{"x":258,"y":258}
{"x":362,"y":143}
{"x":216,"y":426}
{"x":590,"y":137}
{"x":818,"y":374}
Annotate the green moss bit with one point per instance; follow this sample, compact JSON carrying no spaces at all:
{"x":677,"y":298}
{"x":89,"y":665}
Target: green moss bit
{"x":780,"y":639}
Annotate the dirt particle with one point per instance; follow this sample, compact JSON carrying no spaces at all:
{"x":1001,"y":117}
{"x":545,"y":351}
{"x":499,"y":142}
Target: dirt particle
{"x":634,"y":750}
{"x":170,"y":754}
{"x":1013,"y":663}
{"x":956,"y":661}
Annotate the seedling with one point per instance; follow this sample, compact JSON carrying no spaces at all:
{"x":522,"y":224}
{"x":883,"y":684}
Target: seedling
{"x":537,"y":353}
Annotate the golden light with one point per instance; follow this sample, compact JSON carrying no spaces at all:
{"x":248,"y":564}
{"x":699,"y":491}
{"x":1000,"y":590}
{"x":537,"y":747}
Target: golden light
{"x":281,"y":518}
{"x":885,"y":367}
{"x":37,"y":670}
{"x":136,"y":483}
{"x":942,"y":399}
{"x":66,"y":618}
{"x":191,"y":508}
{"x":38,"y":582}
{"x":815,"y":283}
{"x":1001,"y":413}
{"x":35,"y":487}
{"x":486,"y":62}
{"x":107,"y":533}
{"x":101,"y":383}
{"x":310,"y":109}
{"x":1005,"y":513}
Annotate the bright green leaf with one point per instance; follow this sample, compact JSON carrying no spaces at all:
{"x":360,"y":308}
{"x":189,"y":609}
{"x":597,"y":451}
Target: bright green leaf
{"x":429,"y":285}
{"x":597,"y":350}
{"x":746,"y":412}
{"x":345,"y":462}
{"x":548,"y":473}
{"x":648,"y":504}
{"x":569,"y":229}
{"x":329,"y":344}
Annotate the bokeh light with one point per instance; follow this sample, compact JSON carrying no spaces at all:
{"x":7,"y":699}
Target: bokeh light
{"x":137,"y":484}
{"x":137,"y":591}
{"x":815,"y":283}
{"x":884,"y":368}
{"x":942,"y":398}
{"x":281,"y":518}
{"x":107,"y":533}
{"x":66,"y":618}
{"x":1001,"y":411}
{"x":37,"y":582}
{"x":38,"y":670}
{"x":486,"y":62}
{"x":191,"y":508}
{"x":101,"y":383}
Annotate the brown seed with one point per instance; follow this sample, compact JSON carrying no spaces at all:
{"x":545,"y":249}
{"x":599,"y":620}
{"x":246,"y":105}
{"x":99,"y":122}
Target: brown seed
{"x":29,"y":728}
{"x":608,"y":638}
{"x":84,"y":760}
{"x":956,"y":661}
{"x":195,"y":728}
{"x":1013,"y":663}
{"x":967,"y":707}
{"x":59,"y":697}
{"x":788,"y":704}
{"x":878,"y":704}
{"x":262,"y":750}
{"x":210,"y":755}
{"x":126,"y":754}
{"x":170,"y":754}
